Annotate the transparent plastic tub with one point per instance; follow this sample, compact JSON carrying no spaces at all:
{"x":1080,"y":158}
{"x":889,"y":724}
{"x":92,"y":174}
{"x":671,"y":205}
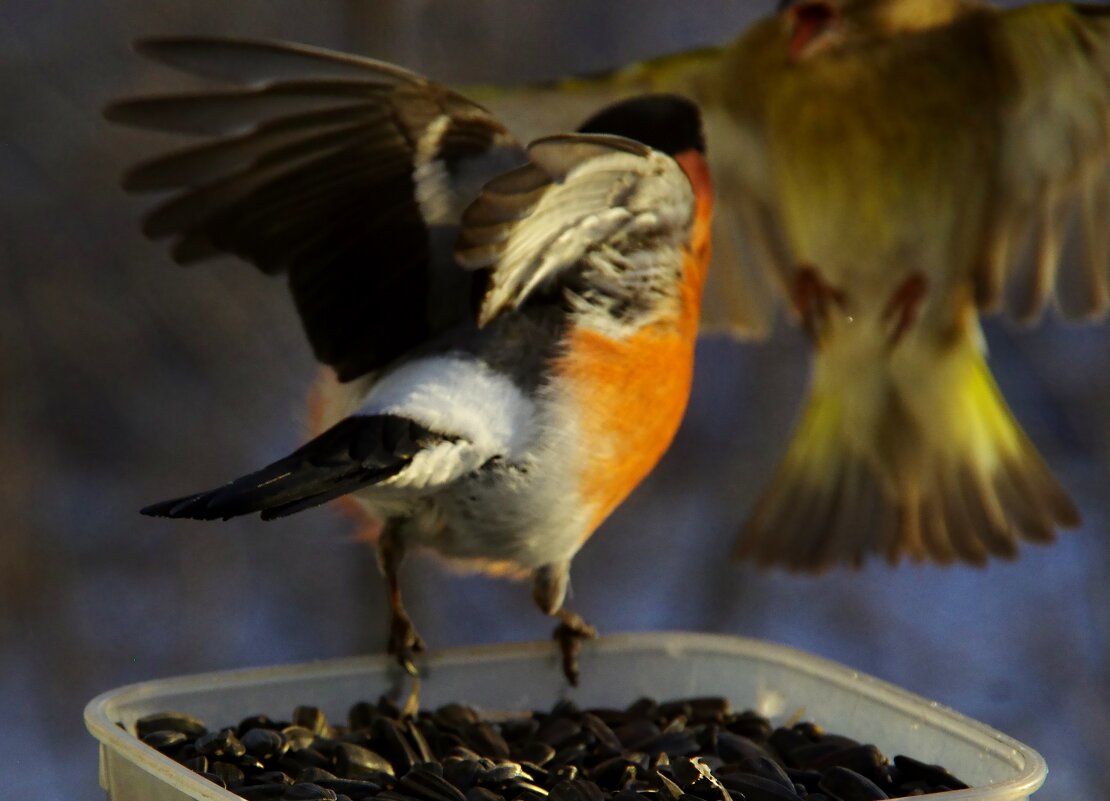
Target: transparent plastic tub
{"x":772,"y":679}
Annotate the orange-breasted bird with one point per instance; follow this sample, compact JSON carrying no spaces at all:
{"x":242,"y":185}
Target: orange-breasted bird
{"x":499,"y":437}
{"x":890,"y":169}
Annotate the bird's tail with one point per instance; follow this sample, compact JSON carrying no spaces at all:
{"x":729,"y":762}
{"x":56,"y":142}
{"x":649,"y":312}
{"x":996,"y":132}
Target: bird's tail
{"x":355,"y":453}
{"x":924,"y":461}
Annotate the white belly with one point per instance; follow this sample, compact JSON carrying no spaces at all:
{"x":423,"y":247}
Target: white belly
{"x":504,"y":492}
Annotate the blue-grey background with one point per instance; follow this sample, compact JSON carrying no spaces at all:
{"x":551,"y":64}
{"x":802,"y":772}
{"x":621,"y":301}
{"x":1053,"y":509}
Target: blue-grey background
{"x":124,"y":379}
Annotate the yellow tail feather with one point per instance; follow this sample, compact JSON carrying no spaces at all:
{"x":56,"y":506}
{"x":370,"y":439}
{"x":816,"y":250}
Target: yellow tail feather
{"x":931,"y":469}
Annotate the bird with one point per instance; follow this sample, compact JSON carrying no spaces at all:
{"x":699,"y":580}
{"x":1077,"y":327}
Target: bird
{"x":507,"y":331}
{"x":887,"y":172}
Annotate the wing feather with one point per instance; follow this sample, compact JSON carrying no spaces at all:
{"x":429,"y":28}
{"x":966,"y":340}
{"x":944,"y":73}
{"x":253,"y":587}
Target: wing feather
{"x":584,"y":196}
{"x":1054,"y":160}
{"x":748,"y":244}
{"x":260,"y":60}
{"x":344,"y":173}
{"x":200,"y":163}
{"x":220,"y":112}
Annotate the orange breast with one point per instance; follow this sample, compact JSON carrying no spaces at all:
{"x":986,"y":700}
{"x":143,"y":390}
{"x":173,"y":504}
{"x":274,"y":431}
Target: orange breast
{"x":630,"y":396}
{"x":631,"y":393}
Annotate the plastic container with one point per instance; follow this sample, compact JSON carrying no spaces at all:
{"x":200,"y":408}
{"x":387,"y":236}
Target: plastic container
{"x":772,"y":679}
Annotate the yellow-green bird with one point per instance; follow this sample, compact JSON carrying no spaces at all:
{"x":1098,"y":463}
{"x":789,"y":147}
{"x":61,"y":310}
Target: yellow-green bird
{"x":891,"y":169}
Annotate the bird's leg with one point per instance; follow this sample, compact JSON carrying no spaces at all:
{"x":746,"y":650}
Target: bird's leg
{"x":813,"y":300}
{"x":403,"y":639}
{"x":549,"y":590}
{"x":903,"y":306}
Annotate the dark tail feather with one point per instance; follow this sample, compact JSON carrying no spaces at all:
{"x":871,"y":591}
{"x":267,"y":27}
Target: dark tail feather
{"x":275,"y":491}
{"x":356,"y":452}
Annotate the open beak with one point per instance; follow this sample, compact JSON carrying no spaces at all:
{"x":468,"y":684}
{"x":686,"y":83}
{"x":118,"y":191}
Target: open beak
{"x":807,"y":21}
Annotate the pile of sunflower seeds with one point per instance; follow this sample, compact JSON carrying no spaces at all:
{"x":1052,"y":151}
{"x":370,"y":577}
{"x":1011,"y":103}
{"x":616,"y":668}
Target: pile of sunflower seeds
{"x":688,"y":750}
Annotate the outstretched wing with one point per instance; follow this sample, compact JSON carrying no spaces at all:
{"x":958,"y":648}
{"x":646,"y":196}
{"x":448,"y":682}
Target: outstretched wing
{"x":586,"y":205}
{"x":1053,"y":187}
{"x":346,"y":174}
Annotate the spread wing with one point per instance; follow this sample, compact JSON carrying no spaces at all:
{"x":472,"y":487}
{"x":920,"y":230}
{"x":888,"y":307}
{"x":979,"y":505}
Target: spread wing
{"x":1049,"y":235}
{"x":345,"y":174}
{"x":584,"y":204}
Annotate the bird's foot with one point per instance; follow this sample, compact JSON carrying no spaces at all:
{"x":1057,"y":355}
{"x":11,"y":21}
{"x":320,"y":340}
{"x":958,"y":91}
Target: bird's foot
{"x":815,"y":300}
{"x":570,"y":633}
{"x":903,"y":307}
{"x":411,"y":707}
{"x":404,"y":642}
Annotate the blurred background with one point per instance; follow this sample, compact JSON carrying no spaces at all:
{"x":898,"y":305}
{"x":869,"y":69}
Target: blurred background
{"x":125,"y":380}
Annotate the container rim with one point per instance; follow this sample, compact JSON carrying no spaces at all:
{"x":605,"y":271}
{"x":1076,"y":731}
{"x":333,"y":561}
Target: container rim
{"x":1030,"y":764}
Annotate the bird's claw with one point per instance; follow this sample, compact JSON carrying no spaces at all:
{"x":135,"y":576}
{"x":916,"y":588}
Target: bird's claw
{"x":404,"y":642}
{"x":411,"y":707}
{"x":569,"y":634}
{"x":814,"y":300}
{"x":902,"y":308}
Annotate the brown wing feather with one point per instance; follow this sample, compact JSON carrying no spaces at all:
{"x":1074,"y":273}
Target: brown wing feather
{"x":337,"y":171}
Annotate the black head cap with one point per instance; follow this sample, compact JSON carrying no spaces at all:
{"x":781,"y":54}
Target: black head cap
{"x":668,"y":123}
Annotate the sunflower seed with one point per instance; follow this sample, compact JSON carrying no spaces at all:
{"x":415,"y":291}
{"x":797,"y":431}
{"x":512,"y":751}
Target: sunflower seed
{"x":306,"y":791}
{"x":165,"y":740}
{"x":912,"y":770}
{"x":170,"y":721}
{"x":847,"y":785}
{"x":355,"y":762}
{"x":222,"y":743}
{"x":264,"y":743}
